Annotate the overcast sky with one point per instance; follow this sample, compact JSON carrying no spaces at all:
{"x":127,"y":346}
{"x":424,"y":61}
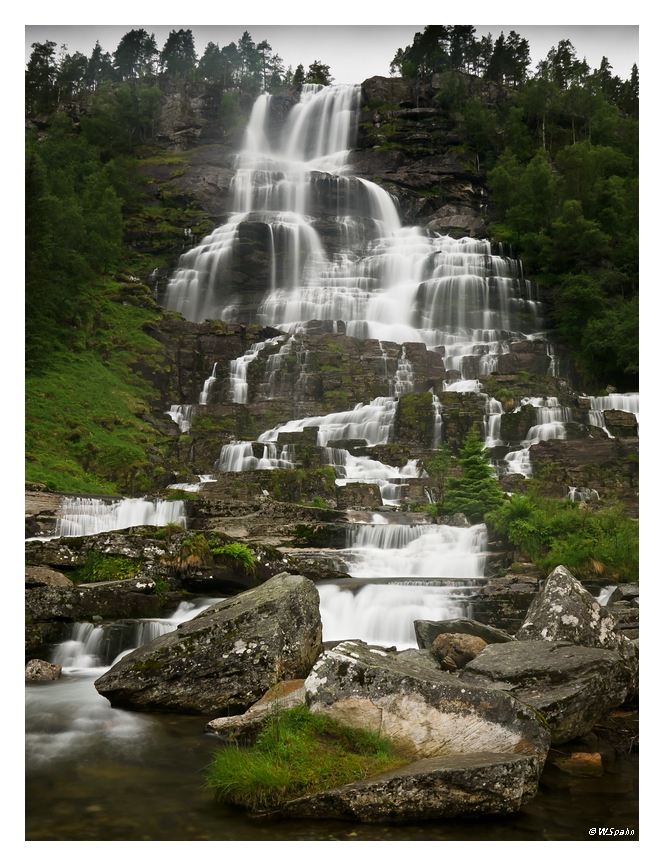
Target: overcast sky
{"x":353,"y":52}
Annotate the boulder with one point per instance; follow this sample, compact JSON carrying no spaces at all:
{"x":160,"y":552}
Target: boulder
{"x":573,"y":687}
{"x":453,"y":651}
{"x":38,"y":670}
{"x":565,"y":611}
{"x":433,"y":788}
{"x":426,"y":713}
{"x":39,"y":576}
{"x":426,"y":631}
{"x":283,"y":696}
{"x":226,"y":658}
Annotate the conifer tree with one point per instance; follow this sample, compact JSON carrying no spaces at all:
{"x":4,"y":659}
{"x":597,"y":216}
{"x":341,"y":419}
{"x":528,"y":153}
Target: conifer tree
{"x":477,"y":491}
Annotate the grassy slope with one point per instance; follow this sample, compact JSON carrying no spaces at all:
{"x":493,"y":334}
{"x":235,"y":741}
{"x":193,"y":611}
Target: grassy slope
{"x":83,"y":433}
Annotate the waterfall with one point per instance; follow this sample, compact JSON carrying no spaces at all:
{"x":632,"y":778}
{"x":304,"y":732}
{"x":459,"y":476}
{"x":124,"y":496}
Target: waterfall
{"x":551,"y":418}
{"x":182,"y":416}
{"x":204,"y":396}
{"x":431,"y":572}
{"x":623,"y":402}
{"x":83,"y":516}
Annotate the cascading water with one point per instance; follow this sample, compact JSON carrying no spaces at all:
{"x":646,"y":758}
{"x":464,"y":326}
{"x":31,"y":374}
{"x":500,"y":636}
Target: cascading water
{"x":333,"y":250}
{"x":69,"y":717}
{"x":86,"y":516}
{"x":551,"y":418}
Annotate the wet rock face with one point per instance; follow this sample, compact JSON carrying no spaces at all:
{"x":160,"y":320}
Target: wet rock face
{"x":573,"y":687}
{"x":225,"y":659}
{"x":426,"y":713}
{"x":478,"y":784}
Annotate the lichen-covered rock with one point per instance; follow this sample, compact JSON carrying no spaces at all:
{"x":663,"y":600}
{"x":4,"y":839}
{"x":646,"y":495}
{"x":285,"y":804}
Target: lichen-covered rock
{"x":443,"y":787}
{"x":226,"y":658}
{"x":283,"y":696}
{"x":573,"y":687}
{"x":38,"y":670}
{"x":453,"y":651}
{"x":426,"y":713}
{"x":356,"y":495}
{"x":565,"y":611}
{"x":426,"y":631}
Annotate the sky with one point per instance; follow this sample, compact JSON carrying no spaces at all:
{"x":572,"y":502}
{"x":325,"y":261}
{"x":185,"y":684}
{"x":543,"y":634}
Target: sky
{"x":353,"y":52}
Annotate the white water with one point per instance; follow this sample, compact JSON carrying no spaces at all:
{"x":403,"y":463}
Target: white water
{"x":68,"y":717}
{"x":84,"y":516}
{"x":551,"y":419}
{"x":623,"y":402}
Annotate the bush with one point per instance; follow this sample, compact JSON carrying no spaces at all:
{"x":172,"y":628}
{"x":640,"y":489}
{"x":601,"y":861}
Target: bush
{"x":560,"y":532}
{"x":297,"y":753}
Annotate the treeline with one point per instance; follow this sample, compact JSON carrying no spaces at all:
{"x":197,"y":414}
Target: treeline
{"x":54,"y":77}
{"x":561,"y":154}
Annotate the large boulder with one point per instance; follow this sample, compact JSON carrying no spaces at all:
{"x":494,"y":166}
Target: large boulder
{"x":565,"y":611}
{"x":226,"y":658}
{"x":477,"y":784}
{"x":426,"y":713}
{"x":573,"y":687}
{"x":36,"y":576}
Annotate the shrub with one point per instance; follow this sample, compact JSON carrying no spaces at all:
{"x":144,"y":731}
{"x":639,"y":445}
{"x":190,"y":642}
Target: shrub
{"x":560,"y":532}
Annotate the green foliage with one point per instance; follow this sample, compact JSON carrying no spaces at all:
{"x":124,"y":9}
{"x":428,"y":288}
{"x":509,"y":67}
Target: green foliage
{"x":477,"y":491}
{"x":239,"y":552}
{"x":552,"y":532}
{"x":297,"y":753}
{"x":319,"y":502}
{"x":439,"y":467}
{"x":99,"y":567}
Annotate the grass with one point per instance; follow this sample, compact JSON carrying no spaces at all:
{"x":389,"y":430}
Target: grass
{"x":297,"y":753}
{"x":84,"y":433}
{"x":238,"y":552}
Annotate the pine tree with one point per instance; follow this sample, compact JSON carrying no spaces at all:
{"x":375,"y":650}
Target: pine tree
{"x":477,"y":491}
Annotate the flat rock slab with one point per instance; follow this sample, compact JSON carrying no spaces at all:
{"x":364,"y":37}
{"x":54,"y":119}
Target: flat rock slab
{"x":484,"y":783}
{"x":573,"y":687}
{"x":122,"y":599}
{"x":426,"y":713}
{"x":226,"y":658}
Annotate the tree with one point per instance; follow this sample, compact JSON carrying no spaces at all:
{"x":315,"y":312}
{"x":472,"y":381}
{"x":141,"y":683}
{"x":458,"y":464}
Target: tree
{"x":298,"y":77}
{"x":178,"y":56}
{"x":211,"y":64}
{"x":477,"y":491}
{"x":129,"y":55}
{"x":40,"y":78}
{"x":438,"y":468}
{"x":318,"y":73}
{"x":99,"y":69}
{"x":72,"y":76}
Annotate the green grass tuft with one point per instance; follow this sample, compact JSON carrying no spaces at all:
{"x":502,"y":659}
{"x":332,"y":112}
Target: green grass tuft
{"x":297,"y":753}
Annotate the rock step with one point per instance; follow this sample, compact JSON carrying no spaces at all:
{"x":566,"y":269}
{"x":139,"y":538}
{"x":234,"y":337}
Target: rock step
{"x":444,"y":787}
